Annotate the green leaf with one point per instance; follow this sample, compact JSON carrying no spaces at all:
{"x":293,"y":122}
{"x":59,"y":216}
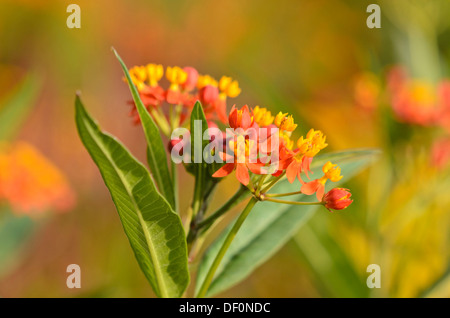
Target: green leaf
{"x":14,"y":110}
{"x":335,"y":273}
{"x":154,"y":230}
{"x":157,"y":159}
{"x":198,"y":126}
{"x":270,"y":225}
{"x":14,"y":233}
{"x":197,"y":131}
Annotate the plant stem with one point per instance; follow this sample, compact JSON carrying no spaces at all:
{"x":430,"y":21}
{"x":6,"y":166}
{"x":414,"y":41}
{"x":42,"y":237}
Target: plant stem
{"x":226,"y":244}
{"x":250,"y":185}
{"x":175,"y":183}
{"x":260,"y":184}
{"x":292,"y":202}
{"x":235,"y":199}
{"x":272,"y":183}
{"x":161,"y":121}
{"x":282,"y":194}
{"x":196,"y":204}
{"x":195,"y":219}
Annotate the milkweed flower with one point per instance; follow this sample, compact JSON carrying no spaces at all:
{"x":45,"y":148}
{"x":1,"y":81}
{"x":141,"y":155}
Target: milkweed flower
{"x":262,"y":117}
{"x":337,"y":199}
{"x":208,"y":94}
{"x":366,"y":91}
{"x":285,"y":123}
{"x":30,"y":184}
{"x":176,"y":76}
{"x":191,"y":80}
{"x":241,"y":162}
{"x":186,"y":87}
{"x":440,"y":153}
{"x":228,"y":87}
{"x":417,"y":101}
{"x":301,"y":158}
{"x":138,"y":75}
{"x":331,"y":172}
{"x":240,"y":118}
{"x":204,"y":80}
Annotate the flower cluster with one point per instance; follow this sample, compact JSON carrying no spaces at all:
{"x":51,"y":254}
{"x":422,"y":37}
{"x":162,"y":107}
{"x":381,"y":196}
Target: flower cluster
{"x":414,"y":101}
{"x":186,"y":86}
{"x":257,"y":145}
{"x":30,"y":184}
{"x":419,"y":102}
{"x":291,"y":161}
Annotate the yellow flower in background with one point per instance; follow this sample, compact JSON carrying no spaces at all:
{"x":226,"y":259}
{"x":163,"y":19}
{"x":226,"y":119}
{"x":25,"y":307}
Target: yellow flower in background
{"x":176,"y":76}
{"x":155,"y":72}
{"x":31,"y":184}
{"x":262,"y":116}
{"x":204,"y":80}
{"x":285,"y":122}
{"x":138,"y":76}
{"x":228,"y":87}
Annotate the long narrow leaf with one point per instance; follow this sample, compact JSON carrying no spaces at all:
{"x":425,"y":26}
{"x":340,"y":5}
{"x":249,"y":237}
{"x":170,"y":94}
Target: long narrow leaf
{"x":157,"y":158}
{"x":154,"y":230}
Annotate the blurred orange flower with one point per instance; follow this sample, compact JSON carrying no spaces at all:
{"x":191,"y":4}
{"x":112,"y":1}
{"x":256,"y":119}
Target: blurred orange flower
{"x":416,"y":101}
{"x":31,"y":184}
{"x":440,"y":153}
{"x":367,"y":90}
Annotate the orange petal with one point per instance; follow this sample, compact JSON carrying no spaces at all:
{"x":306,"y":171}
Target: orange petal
{"x":310,"y":187}
{"x":224,"y":171}
{"x":306,"y":162}
{"x":292,"y":170}
{"x":242,"y":173}
{"x":320,"y":191}
{"x":255,"y":167}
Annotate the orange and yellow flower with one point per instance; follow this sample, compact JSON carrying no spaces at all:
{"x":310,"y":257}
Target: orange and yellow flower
{"x":241,"y":161}
{"x":300,"y":159}
{"x":331,"y":172}
{"x":262,"y":117}
{"x":30,"y":184}
{"x":186,"y":87}
{"x":284,"y":122}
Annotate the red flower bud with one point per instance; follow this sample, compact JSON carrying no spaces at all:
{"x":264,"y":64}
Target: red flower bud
{"x":208,"y":94}
{"x":337,"y":199}
{"x":192,"y":77}
{"x":240,"y":118}
{"x":172,"y":144}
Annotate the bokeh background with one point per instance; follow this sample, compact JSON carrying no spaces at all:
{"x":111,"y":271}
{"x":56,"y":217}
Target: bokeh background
{"x":315,"y":59}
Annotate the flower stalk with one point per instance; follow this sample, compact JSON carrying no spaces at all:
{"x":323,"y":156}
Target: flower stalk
{"x":226,"y":244}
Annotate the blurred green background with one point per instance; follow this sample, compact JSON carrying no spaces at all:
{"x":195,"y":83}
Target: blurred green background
{"x":297,"y":56}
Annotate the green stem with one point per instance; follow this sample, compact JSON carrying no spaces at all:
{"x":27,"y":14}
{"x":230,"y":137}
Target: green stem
{"x":226,"y":244}
{"x":292,"y":202}
{"x":260,"y":184}
{"x":272,"y":183}
{"x":282,"y":194}
{"x":161,"y":121}
{"x":175,"y":184}
{"x":172,"y":126}
{"x":235,"y":199}
{"x":250,"y":185}
{"x":196,"y":204}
